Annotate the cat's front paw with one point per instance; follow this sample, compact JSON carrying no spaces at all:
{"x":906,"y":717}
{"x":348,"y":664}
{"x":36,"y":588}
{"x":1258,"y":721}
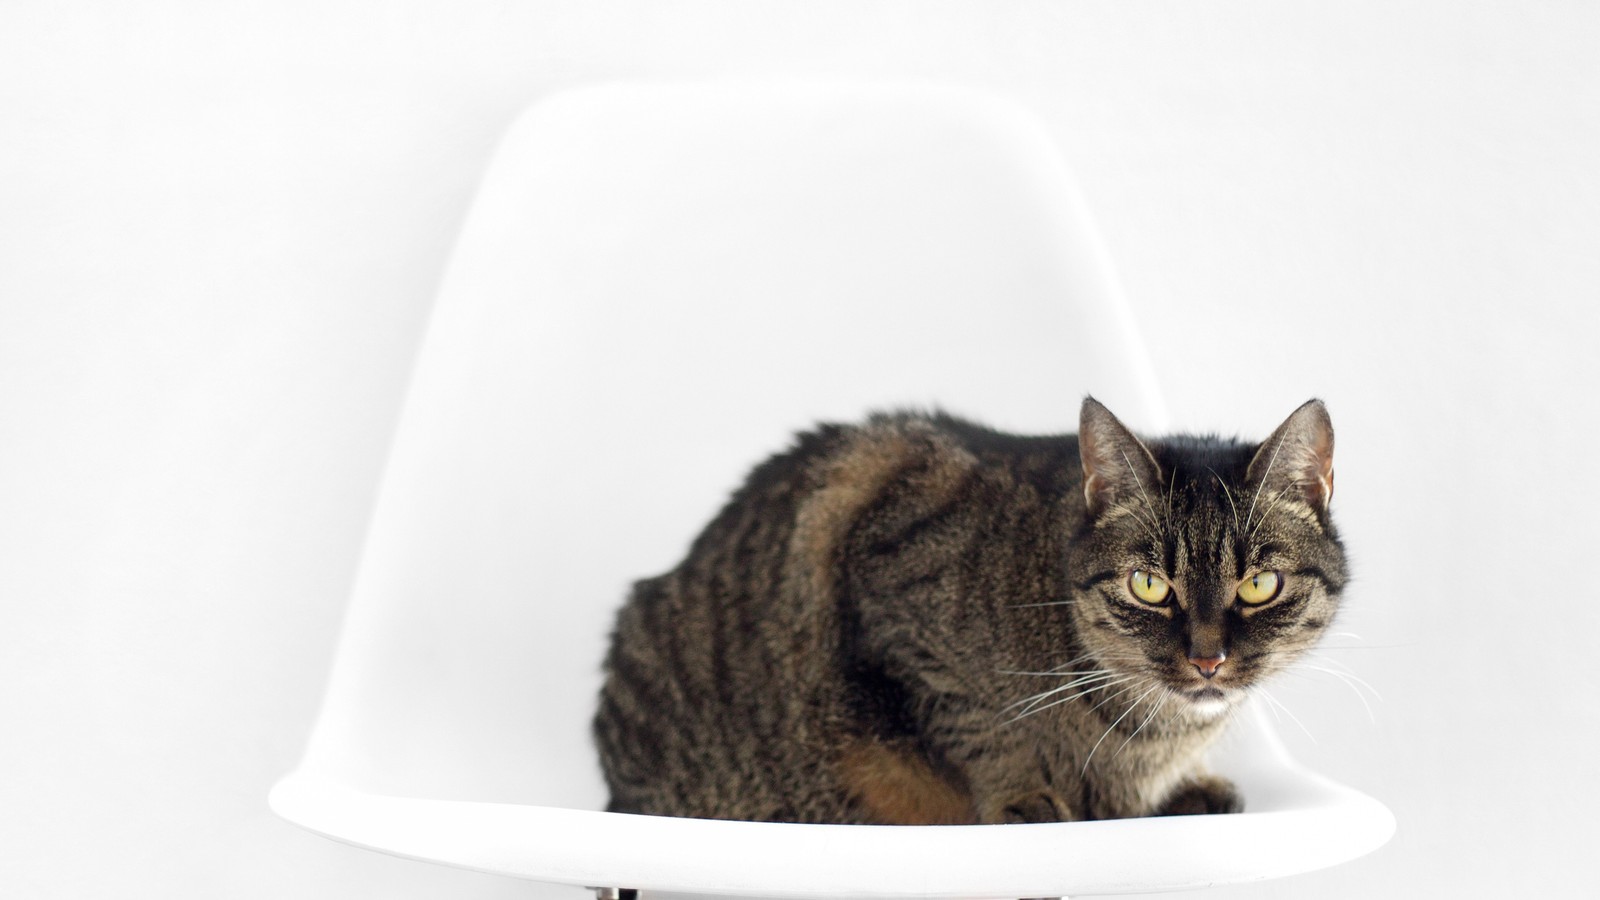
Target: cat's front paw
{"x":1201,"y":796}
{"x":1038,"y":806}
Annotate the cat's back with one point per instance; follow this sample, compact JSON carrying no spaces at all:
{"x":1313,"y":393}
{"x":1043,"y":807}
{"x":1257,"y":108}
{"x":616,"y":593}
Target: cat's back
{"x":726,"y":686}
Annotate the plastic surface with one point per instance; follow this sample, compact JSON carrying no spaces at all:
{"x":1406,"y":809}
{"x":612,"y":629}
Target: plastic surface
{"x":1297,"y":822}
{"x":655,"y":288}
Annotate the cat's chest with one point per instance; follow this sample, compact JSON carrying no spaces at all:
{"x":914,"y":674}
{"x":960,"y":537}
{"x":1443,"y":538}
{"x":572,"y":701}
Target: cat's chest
{"x":1132,"y":776}
{"x":1159,"y":781}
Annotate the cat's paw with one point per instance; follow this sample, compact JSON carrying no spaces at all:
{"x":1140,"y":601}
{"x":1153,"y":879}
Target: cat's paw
{"x":1201,"y":796}
{"x":1037,"y":806}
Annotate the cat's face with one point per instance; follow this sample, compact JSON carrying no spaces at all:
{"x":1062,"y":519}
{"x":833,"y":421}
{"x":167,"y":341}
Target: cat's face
{"x":1204,"y":566}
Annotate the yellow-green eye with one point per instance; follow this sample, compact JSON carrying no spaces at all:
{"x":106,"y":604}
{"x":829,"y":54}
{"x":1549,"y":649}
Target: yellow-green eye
{"x":1152,"y":589}
{"x":1260,"y":587}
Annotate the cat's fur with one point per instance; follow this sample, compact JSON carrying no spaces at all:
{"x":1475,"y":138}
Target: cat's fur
{"x":918,"y":620}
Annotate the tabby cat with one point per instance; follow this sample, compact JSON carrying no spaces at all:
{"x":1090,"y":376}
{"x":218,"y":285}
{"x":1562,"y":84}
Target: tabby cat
{"x":919,"y":620}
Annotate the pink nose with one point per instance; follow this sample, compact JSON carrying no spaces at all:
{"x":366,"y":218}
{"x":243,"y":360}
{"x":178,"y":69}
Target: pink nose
{"x":1208,"y":665}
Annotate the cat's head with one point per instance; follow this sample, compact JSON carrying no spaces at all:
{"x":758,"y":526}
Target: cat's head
{"x":1203,"y":565}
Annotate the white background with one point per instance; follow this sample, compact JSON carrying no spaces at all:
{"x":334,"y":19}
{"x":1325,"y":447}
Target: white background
{"x":221,"y":226}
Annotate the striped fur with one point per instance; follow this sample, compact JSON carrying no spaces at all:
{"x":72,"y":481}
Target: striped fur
{"x":918,"y":620}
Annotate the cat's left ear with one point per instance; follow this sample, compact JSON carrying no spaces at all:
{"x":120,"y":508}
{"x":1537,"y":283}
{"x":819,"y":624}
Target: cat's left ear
{"x":1299,"y":455}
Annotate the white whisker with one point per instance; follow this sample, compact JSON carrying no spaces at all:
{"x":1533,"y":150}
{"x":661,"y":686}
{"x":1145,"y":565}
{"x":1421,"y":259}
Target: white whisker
{"x":1083,"y":693}
{"x":1031,"y":710}
{"x":1343,"y":672}
{"x":1114,"y":724}
{"x":1226,"y":493}
{"x":1150,"y":524}
{"x":1117,"y":694}
{"x":1154,"y":520}
{"x":1074,"y":661}
{"x":1166,"y":694}
{"x":1287,"y":711}
{"x":1048,"y":673}
{"x":1351,"y":681}
{"x":1172,"y":483}
{"x":1263,"y":483}
{"x":1077,"y":679}
{"x":1275,"y":499}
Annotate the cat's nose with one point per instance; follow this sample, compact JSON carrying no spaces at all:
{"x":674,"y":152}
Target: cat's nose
{"x":1208,"y":665}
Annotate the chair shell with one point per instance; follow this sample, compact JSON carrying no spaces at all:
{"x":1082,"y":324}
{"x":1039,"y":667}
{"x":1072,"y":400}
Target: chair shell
{"x":656,"y":286}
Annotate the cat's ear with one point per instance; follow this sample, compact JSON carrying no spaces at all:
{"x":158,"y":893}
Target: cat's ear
{"x":1117,"y":467}
{"x":1299,"y":455}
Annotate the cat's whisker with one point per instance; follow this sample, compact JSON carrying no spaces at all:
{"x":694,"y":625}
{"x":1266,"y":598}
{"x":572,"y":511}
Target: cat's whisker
{"x":1150,"y":525}
{"x":1084,"y":686}
{"x":1097,"y":655}
{"x":1300,"y":667}
{"x":1166,"y":694}
{"x":1356,"y":637}
{"x":1047,"y":603}
{"x":1267,"y":695}
{"x":1099,"y":687}
{"x":1342,"y":672}
{"x":1230,"y":716}
{"x":1317,"y":654}
{"x":1177,"y":710}
{"x":1077,"y":677}
{"x":1147,"y":504}
{"x":1115,"y":722}
{"x":1273,"y":709}
{"x":1044,"y":706}
{"x":1263,"y":483}
{"x":1052,"y":673}
{"x":1275,"y":499}
{"x":1074,"y":661}
{"x":1354,"y":684}
{"x":1172,"y":484}
{"x":1289,"y":649}
{"x":1060,"y":670}
{"x":1126,"y":690}
{"x":1084,"y":679}
{"x":1105,"y":685}
{"x":1226,"y":493}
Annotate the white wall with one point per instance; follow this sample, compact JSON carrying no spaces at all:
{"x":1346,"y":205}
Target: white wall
{"x":219,"y":231}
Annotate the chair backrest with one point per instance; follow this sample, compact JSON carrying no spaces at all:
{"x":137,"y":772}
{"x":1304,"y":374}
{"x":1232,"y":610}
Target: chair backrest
{"x":655,"y":288}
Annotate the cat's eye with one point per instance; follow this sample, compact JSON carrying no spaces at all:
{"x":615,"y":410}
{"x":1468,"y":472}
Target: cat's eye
{"x":1260,"y":587}
{"x":1150,"y":588}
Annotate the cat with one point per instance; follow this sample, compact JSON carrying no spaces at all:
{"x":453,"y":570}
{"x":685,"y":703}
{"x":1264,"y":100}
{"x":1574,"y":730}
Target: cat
{"x":920,"y":620}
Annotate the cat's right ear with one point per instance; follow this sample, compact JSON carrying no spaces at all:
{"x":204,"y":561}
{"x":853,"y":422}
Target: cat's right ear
{"x":1299,"y":455}
{"x":1117,"y":467}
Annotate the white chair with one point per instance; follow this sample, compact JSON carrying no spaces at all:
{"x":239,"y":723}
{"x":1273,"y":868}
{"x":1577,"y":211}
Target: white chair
{"x":656,"y":286}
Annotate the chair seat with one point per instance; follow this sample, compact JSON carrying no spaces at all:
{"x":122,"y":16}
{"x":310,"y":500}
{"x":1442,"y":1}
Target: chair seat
{"x":1296,"y":822}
